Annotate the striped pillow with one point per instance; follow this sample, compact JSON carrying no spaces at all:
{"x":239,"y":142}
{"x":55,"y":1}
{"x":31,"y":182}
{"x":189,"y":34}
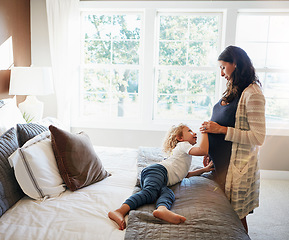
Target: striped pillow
{"x":10,"y":191}
{"x":36,"y":169}
{"x":27,"y":131}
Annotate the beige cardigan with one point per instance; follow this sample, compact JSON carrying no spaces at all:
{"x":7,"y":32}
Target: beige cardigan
{"x":243,"y":177}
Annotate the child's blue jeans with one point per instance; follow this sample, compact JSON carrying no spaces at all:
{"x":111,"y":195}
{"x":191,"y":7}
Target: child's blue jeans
{"x":153,"y":188}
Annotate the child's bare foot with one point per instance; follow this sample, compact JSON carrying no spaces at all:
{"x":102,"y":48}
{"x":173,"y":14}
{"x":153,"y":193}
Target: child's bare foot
{"x":118,"y":218}
{"x":163,"y":213}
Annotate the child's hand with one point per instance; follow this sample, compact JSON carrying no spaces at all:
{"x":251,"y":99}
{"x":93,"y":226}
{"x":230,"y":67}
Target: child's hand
{"x":209,"y":167}
{"x":206,"y":160}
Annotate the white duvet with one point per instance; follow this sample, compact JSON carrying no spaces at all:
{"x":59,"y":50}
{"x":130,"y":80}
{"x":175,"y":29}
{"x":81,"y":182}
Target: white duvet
{"x":76,"y":215}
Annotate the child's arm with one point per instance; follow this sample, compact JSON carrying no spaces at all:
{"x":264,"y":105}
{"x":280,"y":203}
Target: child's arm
{"x":203,"y":148}
{"x":198,"y":172}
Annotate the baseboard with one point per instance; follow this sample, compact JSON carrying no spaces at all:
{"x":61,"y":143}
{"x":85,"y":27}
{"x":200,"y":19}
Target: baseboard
{"x":272,"y":174}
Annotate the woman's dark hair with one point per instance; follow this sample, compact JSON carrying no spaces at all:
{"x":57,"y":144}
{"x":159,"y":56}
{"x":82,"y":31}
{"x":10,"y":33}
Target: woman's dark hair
{"x":243,"y":75}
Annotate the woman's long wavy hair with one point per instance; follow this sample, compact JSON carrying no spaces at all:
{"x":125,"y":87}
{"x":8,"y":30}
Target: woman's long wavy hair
{"x":243,"y":75}
{"x":170,"y":141}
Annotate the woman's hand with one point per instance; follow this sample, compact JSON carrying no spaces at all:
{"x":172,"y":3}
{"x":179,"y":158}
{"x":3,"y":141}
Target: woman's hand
{"x":212,"y":127}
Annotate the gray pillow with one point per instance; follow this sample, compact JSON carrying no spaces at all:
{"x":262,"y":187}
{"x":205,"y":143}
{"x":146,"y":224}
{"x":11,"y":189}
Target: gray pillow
{"x":10,"y":191}
{"x":28,"y":131}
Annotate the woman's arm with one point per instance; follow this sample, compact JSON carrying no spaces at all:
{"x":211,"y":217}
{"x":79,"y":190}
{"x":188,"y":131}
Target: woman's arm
{"x":203,"y":148}
{"x":255,"y":113}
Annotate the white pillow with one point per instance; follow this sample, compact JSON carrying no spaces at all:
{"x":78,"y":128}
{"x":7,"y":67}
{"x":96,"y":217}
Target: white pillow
{"x":10,"y":115}
{"x":35,"y":168}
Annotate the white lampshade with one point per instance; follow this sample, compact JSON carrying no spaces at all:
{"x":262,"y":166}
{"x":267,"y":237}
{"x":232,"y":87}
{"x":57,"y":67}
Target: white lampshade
{"x":31,"y":81}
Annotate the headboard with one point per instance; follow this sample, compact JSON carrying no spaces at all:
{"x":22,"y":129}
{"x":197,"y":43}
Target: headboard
{"x":4,"y":83}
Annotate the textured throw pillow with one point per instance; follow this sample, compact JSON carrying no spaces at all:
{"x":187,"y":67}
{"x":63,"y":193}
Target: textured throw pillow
{"x":10,"y":191}
{"x":1,"y":103}
{"x":10,"y":115}
{"x":28,"y":131}
{"x":77,"y":161}
{"x":36,"y":169}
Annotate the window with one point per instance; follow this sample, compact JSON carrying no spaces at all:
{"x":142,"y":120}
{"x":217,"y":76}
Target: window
{"x":186,"y":74}
{"x":110,"y":65}
{"x":264,"y":38}
{"x":149,"y":64}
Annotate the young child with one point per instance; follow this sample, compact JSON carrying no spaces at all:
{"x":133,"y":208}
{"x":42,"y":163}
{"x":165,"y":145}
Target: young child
{"x":156,"y":178}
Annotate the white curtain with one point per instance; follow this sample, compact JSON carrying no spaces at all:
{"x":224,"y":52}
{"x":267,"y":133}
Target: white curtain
{"x":63,"y":28}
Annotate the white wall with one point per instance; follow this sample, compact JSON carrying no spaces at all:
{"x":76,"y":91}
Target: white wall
{"x":274,"y":154}
{"x":40,"y":52}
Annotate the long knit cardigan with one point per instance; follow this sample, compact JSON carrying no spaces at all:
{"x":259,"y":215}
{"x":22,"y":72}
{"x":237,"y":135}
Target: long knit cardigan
{"x":243,"y":176}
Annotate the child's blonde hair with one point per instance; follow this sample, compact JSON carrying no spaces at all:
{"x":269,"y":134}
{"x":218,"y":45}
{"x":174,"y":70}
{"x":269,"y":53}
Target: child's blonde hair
{"x":170,"y":142}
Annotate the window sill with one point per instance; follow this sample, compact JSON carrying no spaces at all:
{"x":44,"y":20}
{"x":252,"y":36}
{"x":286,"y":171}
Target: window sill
{"x":161,"y":126}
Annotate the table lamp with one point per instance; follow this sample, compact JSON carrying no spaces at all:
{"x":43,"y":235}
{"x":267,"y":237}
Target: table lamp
{"x":31,"y":81}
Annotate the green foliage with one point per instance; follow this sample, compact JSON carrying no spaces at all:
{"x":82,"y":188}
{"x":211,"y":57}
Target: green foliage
{"x":184,"y":40}
{"x":27,"y":117}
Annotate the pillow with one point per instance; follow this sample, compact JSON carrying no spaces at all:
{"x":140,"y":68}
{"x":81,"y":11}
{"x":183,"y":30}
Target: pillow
{"x":10,"y":116}
{"x":10,"y":191}
{"x":36,"y":169}
{"x":27,"y":131}
{"x":77,"y":161}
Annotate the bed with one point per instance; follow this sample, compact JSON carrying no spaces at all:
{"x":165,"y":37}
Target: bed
{"x":66,"y":206}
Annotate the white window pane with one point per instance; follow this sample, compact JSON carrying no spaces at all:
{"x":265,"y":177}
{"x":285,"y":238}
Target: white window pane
{"x":276,"y":85}
{"x":256,"y":52}
{"x":170,"y":107}
{"x":278,"y":31}
{"x":126,"y":26}
{"x":201,"y":83}
{"x":97,"y":26}
{"x":199,"y":106}
{"x":204,"y":28}
{"x":171,"y":82}
{"x":172,"y":53}
{"x":278,"y":55}
{"x":202,"y":54}
{"x":96,"y":104}
{"x":189,"y":41}
{"x":125,"y":52}
{"x":277,"y":110}
{"x":173,"y":27}
{"x":252,"y":28}
{"x":126,"y":105}
{"x":97,"y":51}
{"x":96,"y":80}
{"x":112,"y":91}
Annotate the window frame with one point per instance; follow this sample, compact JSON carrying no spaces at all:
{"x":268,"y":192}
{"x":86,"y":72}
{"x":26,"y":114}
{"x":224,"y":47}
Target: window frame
{"x":157,"y":67}
{"x":229,"y":9}
{"x":267,"y":70}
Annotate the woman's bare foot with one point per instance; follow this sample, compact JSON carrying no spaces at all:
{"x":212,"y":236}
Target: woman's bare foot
{"x":163,"y":213}
{"x":118,"y":218}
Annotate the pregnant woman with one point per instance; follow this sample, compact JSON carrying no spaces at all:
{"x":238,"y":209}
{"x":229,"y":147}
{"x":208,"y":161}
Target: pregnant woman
{"x":236,"y":129}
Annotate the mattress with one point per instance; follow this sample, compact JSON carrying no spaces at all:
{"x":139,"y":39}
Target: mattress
{"x":77,"y":215}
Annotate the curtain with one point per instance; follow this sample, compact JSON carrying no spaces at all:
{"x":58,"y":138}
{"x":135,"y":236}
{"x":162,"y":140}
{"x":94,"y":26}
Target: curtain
{"x":63,"y":18}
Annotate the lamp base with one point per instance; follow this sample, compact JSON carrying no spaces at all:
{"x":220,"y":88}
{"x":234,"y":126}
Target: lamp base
{"x":31,"y":109}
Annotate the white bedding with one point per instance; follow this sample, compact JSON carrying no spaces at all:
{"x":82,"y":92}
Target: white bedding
{"x":76,"y":215}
